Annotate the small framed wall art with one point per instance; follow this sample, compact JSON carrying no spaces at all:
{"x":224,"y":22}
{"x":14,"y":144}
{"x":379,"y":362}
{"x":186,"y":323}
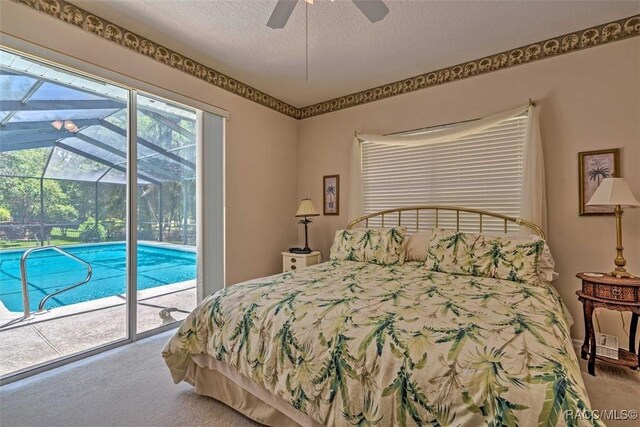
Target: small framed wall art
{"x":593,"y":167}
{"x":331,"y":194}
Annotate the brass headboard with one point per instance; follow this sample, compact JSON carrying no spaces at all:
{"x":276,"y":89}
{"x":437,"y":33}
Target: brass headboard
{"x":395,"y":215}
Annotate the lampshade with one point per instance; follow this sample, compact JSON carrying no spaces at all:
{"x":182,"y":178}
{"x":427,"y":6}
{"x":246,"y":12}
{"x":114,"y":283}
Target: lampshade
{"x":613,"y":191}
{"x":306,"y":208}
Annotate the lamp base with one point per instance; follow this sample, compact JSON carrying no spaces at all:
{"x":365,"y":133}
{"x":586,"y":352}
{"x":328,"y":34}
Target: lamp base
{"x":621,"y":273}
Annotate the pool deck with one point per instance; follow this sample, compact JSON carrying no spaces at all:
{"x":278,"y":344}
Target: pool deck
{"x":77,"y":327}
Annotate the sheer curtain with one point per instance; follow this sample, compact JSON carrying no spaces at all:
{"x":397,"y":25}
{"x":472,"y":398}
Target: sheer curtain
{"x":533,"y":205}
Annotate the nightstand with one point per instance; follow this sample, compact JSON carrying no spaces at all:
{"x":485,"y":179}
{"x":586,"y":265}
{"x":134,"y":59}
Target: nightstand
{"x":612,"y":293}
{"x":291,"y":261}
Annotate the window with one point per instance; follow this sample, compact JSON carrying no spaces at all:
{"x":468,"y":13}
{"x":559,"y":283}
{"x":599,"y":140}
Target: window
{"x":482,"y":171}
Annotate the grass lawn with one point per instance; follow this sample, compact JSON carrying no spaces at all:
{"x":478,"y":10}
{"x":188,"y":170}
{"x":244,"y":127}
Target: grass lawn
{"x":55,"y":241}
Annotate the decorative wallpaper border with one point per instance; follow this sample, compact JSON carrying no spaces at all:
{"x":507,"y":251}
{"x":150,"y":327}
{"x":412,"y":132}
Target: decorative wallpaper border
{"x":571,"y":42}
{"x":74,"y":15}
{"x":590,"y":37}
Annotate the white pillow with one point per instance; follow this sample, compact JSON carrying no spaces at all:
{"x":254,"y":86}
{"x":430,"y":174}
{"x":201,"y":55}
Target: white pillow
{"x":546,"y":265}
{"x":417,"y":246}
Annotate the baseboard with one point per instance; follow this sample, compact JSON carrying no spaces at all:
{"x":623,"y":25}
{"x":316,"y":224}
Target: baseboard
{"x":576,"y":343}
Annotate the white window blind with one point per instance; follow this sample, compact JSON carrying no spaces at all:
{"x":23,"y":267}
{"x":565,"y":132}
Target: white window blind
{"x":482,"y":171}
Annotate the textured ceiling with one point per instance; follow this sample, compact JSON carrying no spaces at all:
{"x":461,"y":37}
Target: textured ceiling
{"x":346,"y":52}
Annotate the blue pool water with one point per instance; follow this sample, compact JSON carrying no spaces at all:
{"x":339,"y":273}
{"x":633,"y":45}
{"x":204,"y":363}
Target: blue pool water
{"x":49,"y":271}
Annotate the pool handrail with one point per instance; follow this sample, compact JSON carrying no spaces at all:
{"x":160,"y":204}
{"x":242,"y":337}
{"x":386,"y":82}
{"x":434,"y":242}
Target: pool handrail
{"x":25,"y":283}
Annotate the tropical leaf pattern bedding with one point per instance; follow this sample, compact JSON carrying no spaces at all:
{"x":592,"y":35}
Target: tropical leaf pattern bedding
{"x":382,"y":246}
{"x":456,"y":252}
{"x":359,"y":344}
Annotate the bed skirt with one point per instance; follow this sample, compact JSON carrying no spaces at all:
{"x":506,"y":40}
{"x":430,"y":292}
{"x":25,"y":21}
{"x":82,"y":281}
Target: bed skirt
{"x":221,"y":382}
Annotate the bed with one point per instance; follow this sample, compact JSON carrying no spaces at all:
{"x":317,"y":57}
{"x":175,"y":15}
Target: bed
{"x":354,"y":343}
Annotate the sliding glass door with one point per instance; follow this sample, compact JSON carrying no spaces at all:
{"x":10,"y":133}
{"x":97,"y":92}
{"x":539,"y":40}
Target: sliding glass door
{"x":99,"y":207}
{"x":166,"y":250}
{"x":62,"y":213}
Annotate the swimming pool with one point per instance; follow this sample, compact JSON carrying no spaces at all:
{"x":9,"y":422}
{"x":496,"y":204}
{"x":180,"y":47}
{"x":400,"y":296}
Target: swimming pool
{"x":49,"y":271}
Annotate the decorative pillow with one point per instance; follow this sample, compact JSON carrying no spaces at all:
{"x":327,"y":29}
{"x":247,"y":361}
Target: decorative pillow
{"x":383,"y":246}
{"x":478,"y":255}
{"x":417,"y":246}
{"x":546,"y":264}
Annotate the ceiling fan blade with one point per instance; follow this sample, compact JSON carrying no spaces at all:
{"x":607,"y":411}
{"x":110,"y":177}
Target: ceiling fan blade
{"x":374,"y":10}
{"x":281,"y":14}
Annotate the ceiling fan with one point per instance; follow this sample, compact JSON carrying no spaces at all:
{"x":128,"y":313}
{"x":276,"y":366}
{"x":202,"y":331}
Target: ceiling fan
{"x":374,"y":10}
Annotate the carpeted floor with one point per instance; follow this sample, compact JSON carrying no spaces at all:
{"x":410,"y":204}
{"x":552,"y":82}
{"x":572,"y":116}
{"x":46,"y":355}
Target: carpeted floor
{"x":130,"y":386}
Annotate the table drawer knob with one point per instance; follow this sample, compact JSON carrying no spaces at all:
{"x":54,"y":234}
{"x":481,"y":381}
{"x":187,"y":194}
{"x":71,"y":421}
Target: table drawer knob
{"x":616,"y":293}
{"x":293,"y":267}
{"x":293,"y":260}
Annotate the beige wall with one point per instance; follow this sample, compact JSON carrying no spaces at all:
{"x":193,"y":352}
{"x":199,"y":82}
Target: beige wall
{"x":261,"y":144}
{"x":588,"y":100}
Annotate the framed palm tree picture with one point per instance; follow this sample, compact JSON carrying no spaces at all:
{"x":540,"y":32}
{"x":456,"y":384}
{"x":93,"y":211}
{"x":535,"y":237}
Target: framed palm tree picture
{"x":331,"y":194}
{"x":594,"y":166}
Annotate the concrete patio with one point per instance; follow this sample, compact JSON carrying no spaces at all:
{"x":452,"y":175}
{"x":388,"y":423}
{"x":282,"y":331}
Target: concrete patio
{"x":74,"y":328}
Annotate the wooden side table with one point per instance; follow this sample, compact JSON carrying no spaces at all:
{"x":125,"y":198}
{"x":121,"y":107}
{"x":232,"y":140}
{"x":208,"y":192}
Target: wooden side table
{"x":620,"y":294}
{"x":291,"y":261}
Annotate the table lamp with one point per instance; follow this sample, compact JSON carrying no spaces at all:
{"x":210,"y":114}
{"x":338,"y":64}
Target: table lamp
{"x":615,"y":192}
{"x":306,"y":209}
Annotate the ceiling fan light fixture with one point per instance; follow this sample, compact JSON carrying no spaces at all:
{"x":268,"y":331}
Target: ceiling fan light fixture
{"x":374,"y":10}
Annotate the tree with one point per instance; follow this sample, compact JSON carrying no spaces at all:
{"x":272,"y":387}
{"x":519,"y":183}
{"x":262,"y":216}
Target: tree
{"x":92,"y":232}
{"x":22,"y":195}
{"x":61,"y":213}
{"x":331,"y":192}
{"x":5,"y":214}
{"x":598,"y":172}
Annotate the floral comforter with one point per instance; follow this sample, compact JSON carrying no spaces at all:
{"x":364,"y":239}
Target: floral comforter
{"x":351,"y":343}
